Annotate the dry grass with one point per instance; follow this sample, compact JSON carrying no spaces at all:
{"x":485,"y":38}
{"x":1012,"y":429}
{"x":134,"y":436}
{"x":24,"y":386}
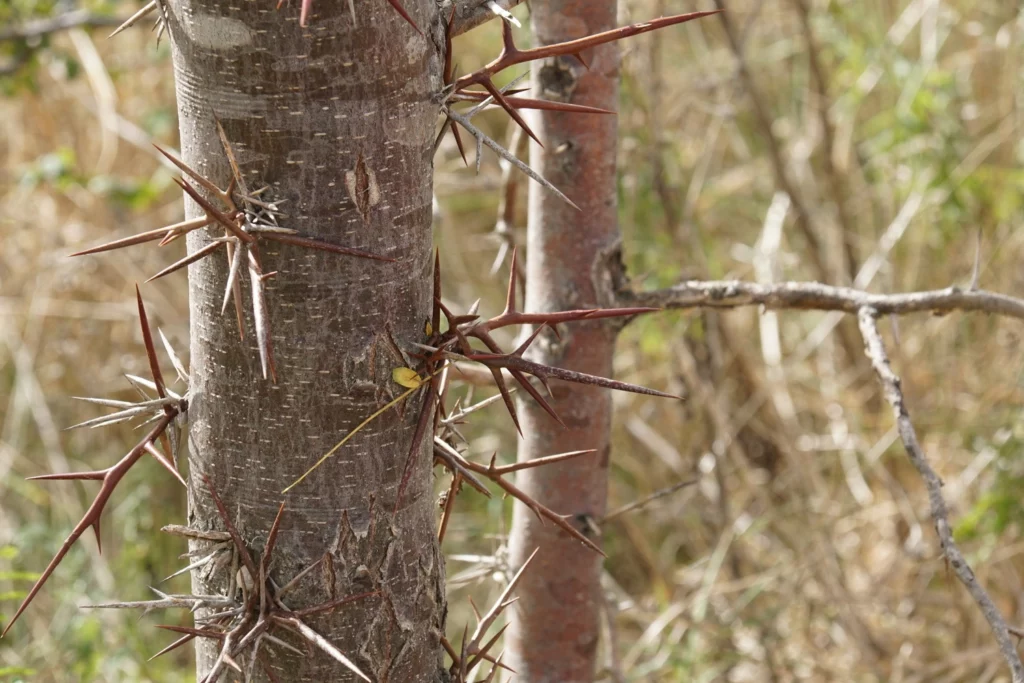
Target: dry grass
{"x":805,"y":552}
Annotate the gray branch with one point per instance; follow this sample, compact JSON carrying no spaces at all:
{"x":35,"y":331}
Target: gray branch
{"x":472,"y":13}
{"x":875,"y":350}
{"x":816,"y":296}
{"x":61,"y":22}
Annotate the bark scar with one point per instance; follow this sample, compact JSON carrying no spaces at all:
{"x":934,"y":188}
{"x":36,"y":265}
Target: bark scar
{"x":361,"y":183}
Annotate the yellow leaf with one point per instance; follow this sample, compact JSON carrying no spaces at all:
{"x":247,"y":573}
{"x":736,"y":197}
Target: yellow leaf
{"x":429,"y":329}
{"x":407,"y":377}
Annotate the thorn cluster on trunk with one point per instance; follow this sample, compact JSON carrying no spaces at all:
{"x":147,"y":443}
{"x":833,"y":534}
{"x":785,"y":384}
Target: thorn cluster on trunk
{"x":433,"y":375}
{"x":246,"y":220}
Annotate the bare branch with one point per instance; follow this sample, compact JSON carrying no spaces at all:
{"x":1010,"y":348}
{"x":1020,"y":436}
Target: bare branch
{"x":62,"y":22}
{"x":875,"y":349}
{"x":816,"y":296}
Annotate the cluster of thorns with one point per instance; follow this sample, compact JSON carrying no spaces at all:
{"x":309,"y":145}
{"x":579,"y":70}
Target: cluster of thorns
{"x":247,"y":218}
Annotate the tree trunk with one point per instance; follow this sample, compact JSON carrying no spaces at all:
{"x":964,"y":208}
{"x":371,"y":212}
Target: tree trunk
{"x":554,"y":634}
{"x":338,"y":120}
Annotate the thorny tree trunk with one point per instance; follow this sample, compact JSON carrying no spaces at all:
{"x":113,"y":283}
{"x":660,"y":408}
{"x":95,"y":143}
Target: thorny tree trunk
{"x":554,"y":634}
{"x":338,"y":120}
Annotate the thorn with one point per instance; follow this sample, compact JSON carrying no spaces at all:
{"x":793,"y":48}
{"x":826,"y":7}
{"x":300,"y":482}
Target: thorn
{"x":214,"y":213}
{"x":147,"y":338}
{"x":187,"y":170}
{"x":496,"y":94}
{"x":148,"y":236}
{"x":510,"y":297}
{"x":133,"y":19}
{"x":179,"y":367}
{"x":261,"y":316}
{"x":111,"y":478}
{"x":165,"y":463}
{"x":530,"y":103}
{"x":197,"y":255}
{"x":243,"y":552}
{"x":435,"y":314}
{"x":507,"y":156}
{"x":405,"y":15}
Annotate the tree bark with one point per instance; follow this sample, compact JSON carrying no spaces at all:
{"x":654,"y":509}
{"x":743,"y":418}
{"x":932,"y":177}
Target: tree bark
{"x":338,"y":120}
{"x":554,"y":634}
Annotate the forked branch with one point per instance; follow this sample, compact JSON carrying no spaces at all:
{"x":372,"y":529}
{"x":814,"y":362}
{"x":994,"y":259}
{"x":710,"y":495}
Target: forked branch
{"x":875,"y":349}
{"x":165,"y":410}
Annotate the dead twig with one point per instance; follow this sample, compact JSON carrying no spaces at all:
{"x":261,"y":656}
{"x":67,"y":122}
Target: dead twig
{"x":875,"y":349}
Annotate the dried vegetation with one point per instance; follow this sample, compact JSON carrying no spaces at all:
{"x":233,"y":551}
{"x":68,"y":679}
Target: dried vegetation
{"x":875,"y":145}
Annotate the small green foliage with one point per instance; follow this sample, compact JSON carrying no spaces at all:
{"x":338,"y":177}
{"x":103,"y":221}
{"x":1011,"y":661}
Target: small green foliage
{"x":57,"y":169}
{"x":1000,"y":507}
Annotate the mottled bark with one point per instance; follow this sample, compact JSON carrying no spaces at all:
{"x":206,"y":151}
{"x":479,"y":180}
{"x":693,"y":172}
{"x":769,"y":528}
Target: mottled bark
{"x":554,"y":634}
{"x":338,"y":119}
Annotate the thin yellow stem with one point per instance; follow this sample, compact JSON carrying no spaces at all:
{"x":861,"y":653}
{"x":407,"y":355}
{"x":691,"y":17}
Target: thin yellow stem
{"x":390,"y":404}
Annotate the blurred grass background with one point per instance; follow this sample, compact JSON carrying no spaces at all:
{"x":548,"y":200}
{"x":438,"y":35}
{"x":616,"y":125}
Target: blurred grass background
{"x":805,"y":551}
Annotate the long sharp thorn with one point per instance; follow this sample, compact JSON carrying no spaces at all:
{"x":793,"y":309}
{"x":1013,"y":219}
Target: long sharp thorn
{"x":243,"y":552}
{"x":194,"y":632}
{"x":525,"y":383}
{"x":113,"y":418}
{"x":530,"y":103}
{"x":496,"y":94}
{"x":322,"y":643}
{"x":516,"y":364}
{"x":147,"y":338}
{"x":511,"y":55}
{"x":268,"y":551}
{"x":312,"y":243}
{"x":435,"y":313}
{"x":452,"y":459}
{"x":521,"y":349}
{"x":179,"y":367}
{"x":133,"y":19}
{"x":449,"y":503}
{"x":510,"y":296}
{"x":405,"y":15}
{"x":506,"y":396}
{"x":195,"y":565}
{"x":426,"y":413}
{"x":458,"y":141}
{"x":91,"y":517}
{"x":107,"y":402}
{"x":161,"y":27}
{"x":165,"y":463}
{"x":230,"y":154}
{"x":214,"y":213}
{"x":507,"y":156}
{"x":197,"y":255}
{"x":92,"y":475}
{"x":173,"y":646}
{"x":234,"y":285}
{"x":143,"y":237}
{"x":537,"y":462}
{"x":261,"y":316}
{"x":187,"y":170}
{"x":141,"y":382}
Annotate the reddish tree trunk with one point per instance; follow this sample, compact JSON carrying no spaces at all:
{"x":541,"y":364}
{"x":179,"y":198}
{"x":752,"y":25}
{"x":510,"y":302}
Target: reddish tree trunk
{"x":554,"y":634}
